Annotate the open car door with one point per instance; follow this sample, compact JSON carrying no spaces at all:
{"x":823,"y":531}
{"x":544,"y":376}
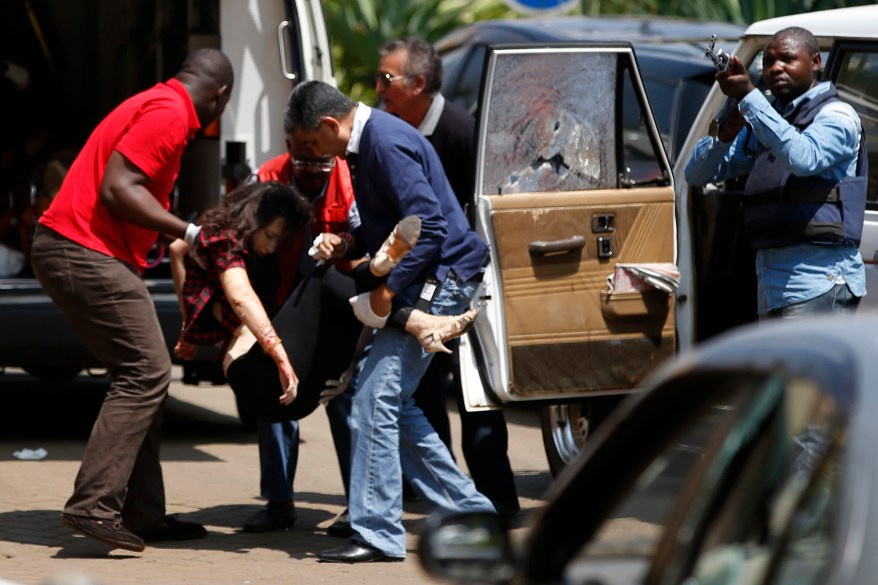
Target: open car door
{"x":572,"y":186}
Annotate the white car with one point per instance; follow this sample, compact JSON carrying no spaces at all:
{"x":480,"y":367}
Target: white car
{"x":573,"y":186}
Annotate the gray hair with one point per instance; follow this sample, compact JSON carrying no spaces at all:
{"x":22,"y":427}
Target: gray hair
{"x":422,"y":60}
{"x":312,"y":100}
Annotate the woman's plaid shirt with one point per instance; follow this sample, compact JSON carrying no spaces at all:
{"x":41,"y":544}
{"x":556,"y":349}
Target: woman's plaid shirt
{"x":210,"y":318}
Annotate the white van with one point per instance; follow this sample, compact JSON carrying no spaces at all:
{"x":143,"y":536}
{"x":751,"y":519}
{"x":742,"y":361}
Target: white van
{"x":564,"y":208}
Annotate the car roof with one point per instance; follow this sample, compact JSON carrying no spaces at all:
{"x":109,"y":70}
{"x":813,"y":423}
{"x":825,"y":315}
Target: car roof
{"x":857,"y":22}
{"x":596,"y":28}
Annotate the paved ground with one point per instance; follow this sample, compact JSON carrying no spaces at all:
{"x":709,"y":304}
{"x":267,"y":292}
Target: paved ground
{"x":211,"y":476}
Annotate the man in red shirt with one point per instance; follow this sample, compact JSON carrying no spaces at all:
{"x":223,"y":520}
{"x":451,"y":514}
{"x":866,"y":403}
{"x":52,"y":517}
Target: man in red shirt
{"x":88,"y":253}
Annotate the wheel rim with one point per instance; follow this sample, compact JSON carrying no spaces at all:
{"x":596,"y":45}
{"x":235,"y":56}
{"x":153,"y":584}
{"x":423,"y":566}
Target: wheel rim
{"x":569,"y":430}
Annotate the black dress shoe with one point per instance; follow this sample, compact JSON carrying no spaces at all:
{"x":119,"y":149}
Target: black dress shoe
{"x":273,"y":517}
{"x":509,"y":509}
{"x":341,"y":528}
{"x":355,"y":553}
{"x":169,"y":528}
{"x":109,"y":532}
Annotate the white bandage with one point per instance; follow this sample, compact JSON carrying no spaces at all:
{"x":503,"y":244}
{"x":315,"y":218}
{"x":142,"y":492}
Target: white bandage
{"x":312,"y":251}
{"x":192,"y":232}
{"x":363,"y":311}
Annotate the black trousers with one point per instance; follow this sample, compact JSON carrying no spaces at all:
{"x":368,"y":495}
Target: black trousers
{"x":319,"y":332}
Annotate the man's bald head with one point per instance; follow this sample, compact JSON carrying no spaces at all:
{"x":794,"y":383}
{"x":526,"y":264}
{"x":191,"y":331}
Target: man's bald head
{"x":208,"y":76}
{"x":210,"y":65}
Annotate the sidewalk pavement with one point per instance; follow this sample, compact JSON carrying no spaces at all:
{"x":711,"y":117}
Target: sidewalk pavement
{"x":211,"y":476}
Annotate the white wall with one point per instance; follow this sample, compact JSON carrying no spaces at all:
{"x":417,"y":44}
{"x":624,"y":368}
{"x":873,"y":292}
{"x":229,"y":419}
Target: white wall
{"x":255,"y":113}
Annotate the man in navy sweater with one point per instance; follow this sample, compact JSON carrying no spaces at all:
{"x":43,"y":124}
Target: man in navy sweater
{"x":408,"y":80}
{"x":395,"y":173}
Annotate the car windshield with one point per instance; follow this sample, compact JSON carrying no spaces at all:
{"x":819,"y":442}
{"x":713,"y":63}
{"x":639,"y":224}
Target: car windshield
{"x":675,"y":84}
{"x":750,"y":475}
{"x":543,"y":137}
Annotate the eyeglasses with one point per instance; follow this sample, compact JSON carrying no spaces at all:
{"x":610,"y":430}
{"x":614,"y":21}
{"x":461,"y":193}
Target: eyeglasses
{"x":386,"y":79}
{"x":323,"y":166}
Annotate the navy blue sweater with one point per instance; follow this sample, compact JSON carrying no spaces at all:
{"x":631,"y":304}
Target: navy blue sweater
{"x":397,"y":173}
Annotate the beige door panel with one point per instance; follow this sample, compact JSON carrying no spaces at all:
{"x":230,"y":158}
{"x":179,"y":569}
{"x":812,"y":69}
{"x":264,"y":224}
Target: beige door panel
{"x":564,"y":333}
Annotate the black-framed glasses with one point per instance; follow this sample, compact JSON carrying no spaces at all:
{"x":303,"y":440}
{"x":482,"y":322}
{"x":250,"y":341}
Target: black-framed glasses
{"x":323,"y":166}
{"x":386,"y":79}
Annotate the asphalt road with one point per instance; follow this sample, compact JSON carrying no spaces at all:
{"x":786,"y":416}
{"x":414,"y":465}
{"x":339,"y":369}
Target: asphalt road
{"x":211,"y":476}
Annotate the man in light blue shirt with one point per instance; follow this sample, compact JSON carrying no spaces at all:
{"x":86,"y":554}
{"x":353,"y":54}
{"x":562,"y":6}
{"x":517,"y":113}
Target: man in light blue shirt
{"x":805,"y":196}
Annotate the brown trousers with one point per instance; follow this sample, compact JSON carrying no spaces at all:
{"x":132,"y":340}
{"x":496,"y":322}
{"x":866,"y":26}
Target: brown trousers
{"x":110,"y":308}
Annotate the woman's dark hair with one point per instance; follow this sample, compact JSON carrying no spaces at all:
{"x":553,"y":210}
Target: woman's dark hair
{"x":254,"y":206}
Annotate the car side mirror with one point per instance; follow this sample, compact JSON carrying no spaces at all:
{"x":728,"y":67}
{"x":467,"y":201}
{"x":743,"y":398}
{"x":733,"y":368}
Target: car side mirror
{"x":469,"y":547}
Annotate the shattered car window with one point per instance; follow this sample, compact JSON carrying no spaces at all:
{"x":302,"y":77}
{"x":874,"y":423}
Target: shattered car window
{"x":551,"y":123}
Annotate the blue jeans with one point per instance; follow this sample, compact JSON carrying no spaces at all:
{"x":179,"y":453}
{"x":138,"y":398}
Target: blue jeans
{"x":279,"y":449}
{"x":839,"y":298}
{"x":391,"y":434}
{"x":278,"y":457}
{"x":484,"y":438}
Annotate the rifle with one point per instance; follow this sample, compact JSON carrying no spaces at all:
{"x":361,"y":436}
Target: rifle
{"x":721,"y":62}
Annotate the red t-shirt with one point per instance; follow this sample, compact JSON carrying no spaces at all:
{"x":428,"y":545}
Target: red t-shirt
{"x":150,"y":129}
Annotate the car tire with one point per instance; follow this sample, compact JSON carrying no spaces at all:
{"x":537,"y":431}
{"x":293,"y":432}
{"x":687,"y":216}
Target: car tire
{"x":54,"y":374}
{"x":566,"y":428}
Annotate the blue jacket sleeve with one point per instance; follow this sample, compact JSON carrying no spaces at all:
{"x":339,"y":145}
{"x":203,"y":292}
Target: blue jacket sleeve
{"x":401,"y":176}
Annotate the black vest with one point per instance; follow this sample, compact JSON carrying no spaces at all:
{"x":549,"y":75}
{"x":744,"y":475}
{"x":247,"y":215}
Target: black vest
{"x":781,"y":209}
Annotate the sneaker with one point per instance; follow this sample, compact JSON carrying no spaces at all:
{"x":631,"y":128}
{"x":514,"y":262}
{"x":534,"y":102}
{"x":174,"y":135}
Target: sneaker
{"x":110,"y":532}
{"x":169,"y":528}
{"x":275,"y":516}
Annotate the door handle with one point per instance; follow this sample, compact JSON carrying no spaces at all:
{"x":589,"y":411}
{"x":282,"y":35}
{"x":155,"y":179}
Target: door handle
{"x":542,"y":248}
{"x":282,"y":46}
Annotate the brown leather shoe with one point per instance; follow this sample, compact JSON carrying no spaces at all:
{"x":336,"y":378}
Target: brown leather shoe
{"x":110,"y":532}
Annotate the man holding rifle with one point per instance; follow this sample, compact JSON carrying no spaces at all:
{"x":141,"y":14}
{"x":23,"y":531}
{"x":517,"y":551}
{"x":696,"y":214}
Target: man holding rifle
{"x":804,"y":199}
